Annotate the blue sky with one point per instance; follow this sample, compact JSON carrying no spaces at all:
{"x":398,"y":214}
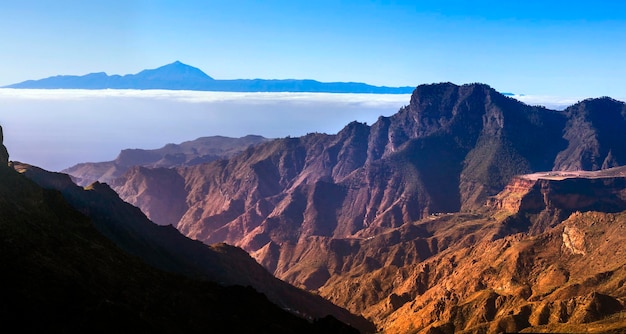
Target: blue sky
{"x":558,"y":48}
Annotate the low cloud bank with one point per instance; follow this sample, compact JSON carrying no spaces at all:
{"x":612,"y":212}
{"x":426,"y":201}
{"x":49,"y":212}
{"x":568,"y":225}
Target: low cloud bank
{"x":550,"y":102}
{"x":204,"y":96}
{"x":56,"y":129}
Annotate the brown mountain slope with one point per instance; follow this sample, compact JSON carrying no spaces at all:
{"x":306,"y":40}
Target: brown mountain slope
{"x":495,"y":271}
{"x":160,"y":189}
{"x":188,"y":153}
{"x":571,"y":275}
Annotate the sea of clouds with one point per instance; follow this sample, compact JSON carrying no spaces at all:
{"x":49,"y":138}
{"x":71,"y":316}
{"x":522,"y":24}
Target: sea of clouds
{"x":55,"y":129}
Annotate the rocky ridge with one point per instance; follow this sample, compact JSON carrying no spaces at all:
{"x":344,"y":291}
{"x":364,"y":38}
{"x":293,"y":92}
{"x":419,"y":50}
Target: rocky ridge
{"x":545,"y":199}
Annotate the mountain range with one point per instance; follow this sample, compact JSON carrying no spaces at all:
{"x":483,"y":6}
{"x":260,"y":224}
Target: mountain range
{"x":447,"y":151}
{"x":179,"y":76}
{"x":466,"y":211}
{"x":424,"y":221}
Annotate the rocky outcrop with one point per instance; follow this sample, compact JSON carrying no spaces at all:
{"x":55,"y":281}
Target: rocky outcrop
{"x":4,"y":154}
{"x":545,"y":199}
{"x":510,"y":199}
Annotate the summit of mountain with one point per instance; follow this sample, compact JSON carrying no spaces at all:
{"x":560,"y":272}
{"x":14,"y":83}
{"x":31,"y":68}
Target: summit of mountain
{"x":171,"y":76}
{"x":175,"y":71}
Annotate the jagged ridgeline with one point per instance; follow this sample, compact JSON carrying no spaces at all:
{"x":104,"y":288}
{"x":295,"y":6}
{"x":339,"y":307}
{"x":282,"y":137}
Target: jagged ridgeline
{"x":375,"y":217}
{"x":449,"y":150}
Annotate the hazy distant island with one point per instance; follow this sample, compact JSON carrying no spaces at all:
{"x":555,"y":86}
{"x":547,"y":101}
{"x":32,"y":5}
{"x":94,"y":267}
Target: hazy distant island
{"x":179,"y":76}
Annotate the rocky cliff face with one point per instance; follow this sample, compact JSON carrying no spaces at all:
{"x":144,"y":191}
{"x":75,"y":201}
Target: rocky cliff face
{"x":542,"y":200}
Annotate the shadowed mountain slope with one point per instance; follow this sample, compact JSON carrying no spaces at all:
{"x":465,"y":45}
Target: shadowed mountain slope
{"x":594,"y":130}
{"x":60,"y":274}
{"x":165,"y":248}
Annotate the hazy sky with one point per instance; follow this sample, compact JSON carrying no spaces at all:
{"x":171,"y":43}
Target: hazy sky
{"x":557,"y":48}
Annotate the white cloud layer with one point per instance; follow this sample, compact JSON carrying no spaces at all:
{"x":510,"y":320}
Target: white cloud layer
{"x":550,"y":102}
{"x":205,"y":96}
{"x":56,"y":129}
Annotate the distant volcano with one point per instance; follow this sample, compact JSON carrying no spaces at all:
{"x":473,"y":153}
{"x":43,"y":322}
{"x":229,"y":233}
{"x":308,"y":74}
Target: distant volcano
{"x":179,"y":76}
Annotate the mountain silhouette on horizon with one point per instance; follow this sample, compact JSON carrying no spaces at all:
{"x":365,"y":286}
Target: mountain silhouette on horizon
{"x":180,"y":76}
